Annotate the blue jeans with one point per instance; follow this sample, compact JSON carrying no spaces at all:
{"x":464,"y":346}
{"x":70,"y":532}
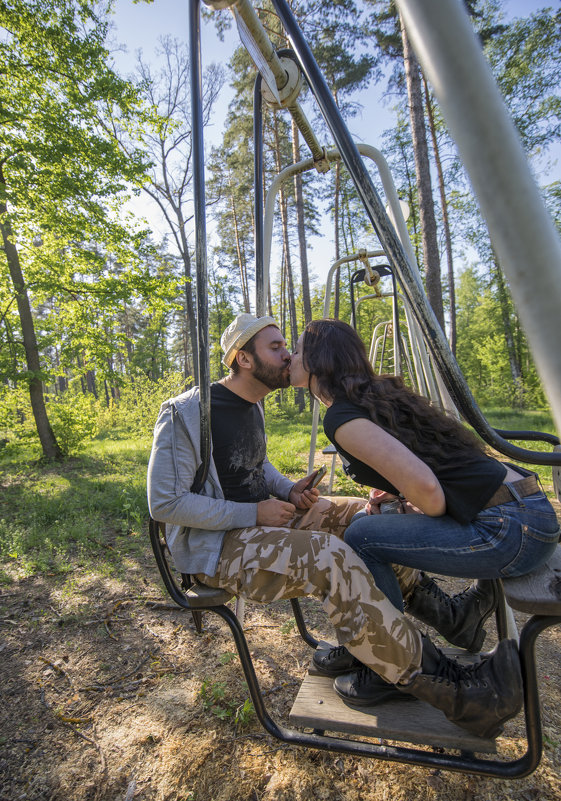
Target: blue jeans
{"x":506,"y":540}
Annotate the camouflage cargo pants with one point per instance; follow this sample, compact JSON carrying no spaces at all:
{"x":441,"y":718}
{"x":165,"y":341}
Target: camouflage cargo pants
{"x":309,"y":557}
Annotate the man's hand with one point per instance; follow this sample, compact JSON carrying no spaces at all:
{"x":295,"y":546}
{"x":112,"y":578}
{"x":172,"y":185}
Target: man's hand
{"x":302,"y":497}
{"x":274,"y":512}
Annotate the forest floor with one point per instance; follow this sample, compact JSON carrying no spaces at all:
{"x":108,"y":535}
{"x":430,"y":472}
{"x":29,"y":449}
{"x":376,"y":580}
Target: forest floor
{"x":109,"y":694}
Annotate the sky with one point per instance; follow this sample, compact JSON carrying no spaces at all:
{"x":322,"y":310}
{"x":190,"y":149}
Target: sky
{"x":139,"y":26}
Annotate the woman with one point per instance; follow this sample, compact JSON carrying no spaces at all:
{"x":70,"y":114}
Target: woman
{"x":478,"y":517}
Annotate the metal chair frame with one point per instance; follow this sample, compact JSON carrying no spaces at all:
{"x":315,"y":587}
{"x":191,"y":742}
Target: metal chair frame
{"x":197,"y":598}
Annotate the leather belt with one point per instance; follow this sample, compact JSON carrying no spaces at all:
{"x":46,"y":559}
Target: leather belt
{"x":526,"y":486}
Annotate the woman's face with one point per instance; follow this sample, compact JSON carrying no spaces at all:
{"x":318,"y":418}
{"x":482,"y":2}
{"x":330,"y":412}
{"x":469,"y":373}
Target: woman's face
{"x":299,"y":376}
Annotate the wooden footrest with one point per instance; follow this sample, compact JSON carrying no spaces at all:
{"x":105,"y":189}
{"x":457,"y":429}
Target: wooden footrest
{"x":317,"y":706}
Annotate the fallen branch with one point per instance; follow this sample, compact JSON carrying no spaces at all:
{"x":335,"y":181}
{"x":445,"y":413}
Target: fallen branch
{"x":131,"y":789}
{"x":72,"y":727}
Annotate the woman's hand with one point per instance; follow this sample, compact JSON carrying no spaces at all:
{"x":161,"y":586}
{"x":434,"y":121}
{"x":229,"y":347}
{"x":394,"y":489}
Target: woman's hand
{"x":400,"y":506}
{"x":376,"y":498}
{"x":385,"y":454}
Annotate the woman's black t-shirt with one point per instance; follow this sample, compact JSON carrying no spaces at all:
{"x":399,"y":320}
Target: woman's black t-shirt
{"x":467,"y":486}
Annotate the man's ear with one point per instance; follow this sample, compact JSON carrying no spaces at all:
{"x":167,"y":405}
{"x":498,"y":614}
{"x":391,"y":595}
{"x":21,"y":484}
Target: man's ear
{"x":244,"y":360}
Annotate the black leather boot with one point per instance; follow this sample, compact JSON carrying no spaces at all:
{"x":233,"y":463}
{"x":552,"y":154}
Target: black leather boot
{"x":479,"y":697}
{"x":335,"y":661}
{"x":366,"y":688}
{"x":460,"y":617}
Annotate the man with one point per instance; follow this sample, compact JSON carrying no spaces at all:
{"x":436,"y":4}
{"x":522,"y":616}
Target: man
{"x":241,"y":480}
{"x":235,"y":536}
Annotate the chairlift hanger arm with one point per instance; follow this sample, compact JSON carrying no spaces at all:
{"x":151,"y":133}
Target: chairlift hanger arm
{"x":282,"y":80}
{"x":521,"y":230}
{"x":409,"y":280}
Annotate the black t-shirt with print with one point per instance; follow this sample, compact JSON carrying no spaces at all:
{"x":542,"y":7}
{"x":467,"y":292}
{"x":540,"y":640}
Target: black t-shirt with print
{"x":467,"y":487}
{"x":238,"y":445}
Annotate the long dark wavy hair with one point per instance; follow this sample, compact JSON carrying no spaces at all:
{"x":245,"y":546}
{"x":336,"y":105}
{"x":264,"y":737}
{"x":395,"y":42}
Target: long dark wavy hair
{"x":334,"y":354}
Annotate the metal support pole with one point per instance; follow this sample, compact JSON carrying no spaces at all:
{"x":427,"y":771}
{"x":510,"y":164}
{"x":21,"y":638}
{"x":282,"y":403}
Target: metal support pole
{"x":203,"y":379}
{"x":261,"y":288}
{"x":523,"y":235}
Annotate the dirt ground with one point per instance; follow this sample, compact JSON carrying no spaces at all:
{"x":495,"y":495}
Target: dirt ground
{"x":108,"y":693}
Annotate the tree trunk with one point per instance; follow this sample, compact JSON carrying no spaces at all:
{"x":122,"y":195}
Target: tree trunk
{"x":422,"y":168}
{"x":240,"y":255}
{"x":413,"y":219}
{"x":49,"y":444}
{"x":513,"y":357}
{"x":90,"y":383}
{"x":445,"y":221}
{"x":337,"y":276}
{"x":286,"y":244}
{"x":299,"y":196}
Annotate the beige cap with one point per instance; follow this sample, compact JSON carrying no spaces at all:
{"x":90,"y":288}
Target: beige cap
{"x":239,"y":332}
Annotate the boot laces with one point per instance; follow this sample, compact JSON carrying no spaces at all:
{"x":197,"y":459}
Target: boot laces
{"x":452,"y":672}
{"x":363,"y":676}
{"x":435,"y":590}
{"x":336,"y":652}
{"x":455,"y":600}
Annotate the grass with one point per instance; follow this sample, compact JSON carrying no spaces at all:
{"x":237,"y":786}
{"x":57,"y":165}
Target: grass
{"x":514,"y":420}
{"x":90,"y":512}
{"x":54,"y":517}
{"x":288,"y":443}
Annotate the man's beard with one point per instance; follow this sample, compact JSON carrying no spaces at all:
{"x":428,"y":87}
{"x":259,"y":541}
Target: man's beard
{"x":272,"y":377}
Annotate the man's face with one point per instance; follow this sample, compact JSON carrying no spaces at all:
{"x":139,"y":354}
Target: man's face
{"x":271,"y":359}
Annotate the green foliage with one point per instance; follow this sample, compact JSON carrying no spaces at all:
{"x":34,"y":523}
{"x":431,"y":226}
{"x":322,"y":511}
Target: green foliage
{"x":78,"y":417}
{"x":526,"y":59}
{"x":288,"y":626}
{"x":482,"y":350}
{"x":227,"y":657}
{"x":346,"y":486}
{"x":139,"y":402}
{"x":526,"y":420}
{"x":73,"y":417}
{"x":217,"y":700}
{"x":57,"y":518}
{"x":288,"y":437}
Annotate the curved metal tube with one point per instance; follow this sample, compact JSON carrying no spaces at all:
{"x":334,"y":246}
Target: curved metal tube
{"x":410,"y":756}
{"x":524,"y":237}
{"x":408,"y":277}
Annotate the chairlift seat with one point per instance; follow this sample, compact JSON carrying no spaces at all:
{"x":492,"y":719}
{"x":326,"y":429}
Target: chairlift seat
{"x":318,"y":706}
{"x":539,"y":592}
{"x":201,"y":596}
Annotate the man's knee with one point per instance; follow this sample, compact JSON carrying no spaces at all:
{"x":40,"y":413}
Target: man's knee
{"x":331,"y":514}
